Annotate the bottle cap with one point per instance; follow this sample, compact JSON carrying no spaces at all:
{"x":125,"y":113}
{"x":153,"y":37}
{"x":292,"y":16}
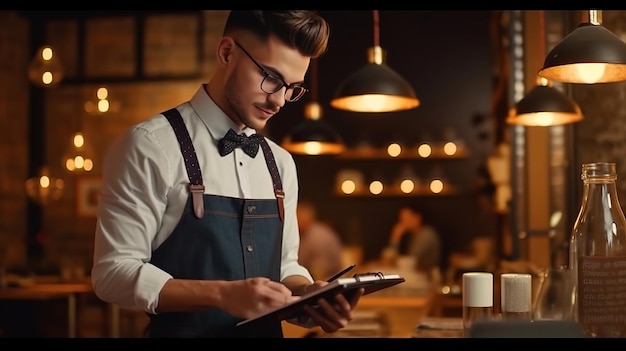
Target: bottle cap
{"x":515,"y":292}
{"x":477,"y":289}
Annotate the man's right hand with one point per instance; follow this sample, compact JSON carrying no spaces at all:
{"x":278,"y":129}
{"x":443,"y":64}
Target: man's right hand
{"x":253,"y":296}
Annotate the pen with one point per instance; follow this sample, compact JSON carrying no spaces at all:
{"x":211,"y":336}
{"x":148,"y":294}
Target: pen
{"x":344,"y":271}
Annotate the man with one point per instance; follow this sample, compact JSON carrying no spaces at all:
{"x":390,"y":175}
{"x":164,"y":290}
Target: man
{"x":199,"y":231}
{"x":410,"y":236}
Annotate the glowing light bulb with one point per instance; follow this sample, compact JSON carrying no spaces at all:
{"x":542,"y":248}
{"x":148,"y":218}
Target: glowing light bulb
{"x":394,"y":149}
{"x":407,"y":186}
{"x":313,"y":147}
{"x":348,"y":186}
{"x":376,"y":187}
{"x":436,"y":186}
{"x":424,"y":150}
{"x":79,"y":140}
{"x":102,"y":93}
{"x":44,"y":181}
{"x":449,"y":148}
{"x":103,"y":105}
{"x":590,"y":72}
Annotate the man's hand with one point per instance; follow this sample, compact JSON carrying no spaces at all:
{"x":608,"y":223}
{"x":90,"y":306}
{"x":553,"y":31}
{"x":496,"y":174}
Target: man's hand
{"x":332,"y":315}
{"x":251,"y":297}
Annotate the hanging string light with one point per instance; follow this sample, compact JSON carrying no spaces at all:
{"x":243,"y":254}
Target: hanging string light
{"x":44,"y":189}
{"x":45,"y":69}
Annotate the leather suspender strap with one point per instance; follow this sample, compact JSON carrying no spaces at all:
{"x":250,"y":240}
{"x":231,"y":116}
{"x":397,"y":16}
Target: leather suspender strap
{"x":278,"y":185}
{"x":191,"y":160}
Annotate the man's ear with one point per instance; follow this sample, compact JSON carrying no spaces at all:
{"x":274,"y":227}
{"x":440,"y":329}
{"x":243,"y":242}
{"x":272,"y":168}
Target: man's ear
{"x":225,"y":50}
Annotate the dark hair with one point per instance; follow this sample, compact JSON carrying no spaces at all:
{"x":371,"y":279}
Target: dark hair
{"x":304,"y":30}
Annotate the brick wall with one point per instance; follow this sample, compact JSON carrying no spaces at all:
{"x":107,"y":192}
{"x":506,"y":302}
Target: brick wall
{"x":13,"y":141}
{"x":68,"y":235}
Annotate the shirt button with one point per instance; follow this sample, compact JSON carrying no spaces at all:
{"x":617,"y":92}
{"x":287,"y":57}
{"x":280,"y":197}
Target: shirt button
{"x":249,"y":248}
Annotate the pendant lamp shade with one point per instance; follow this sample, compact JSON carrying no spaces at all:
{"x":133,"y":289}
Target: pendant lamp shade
{"x":375,"y":87}
{"x":544,"y":106}
{"x":313,"y":136}
{"x":590,"y":54}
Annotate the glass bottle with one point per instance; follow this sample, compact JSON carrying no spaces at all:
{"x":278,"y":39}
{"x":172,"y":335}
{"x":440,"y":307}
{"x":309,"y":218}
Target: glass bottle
{"x":598,"y":254}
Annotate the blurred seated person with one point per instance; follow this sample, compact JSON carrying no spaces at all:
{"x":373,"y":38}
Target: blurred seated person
{"x":411,"y":237}
{"x":320,"y":245}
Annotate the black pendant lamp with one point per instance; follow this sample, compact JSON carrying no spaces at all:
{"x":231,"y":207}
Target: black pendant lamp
{"x":313,"y":136}
{"x":590,"y":54}
{"x":375,"y":87}
{"x":544,"y":105}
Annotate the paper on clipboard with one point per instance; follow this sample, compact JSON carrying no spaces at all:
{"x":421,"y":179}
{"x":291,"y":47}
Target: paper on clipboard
{"x":371,"y":282}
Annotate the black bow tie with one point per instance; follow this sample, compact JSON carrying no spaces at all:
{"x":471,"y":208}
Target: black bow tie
{"x":249,"y":144}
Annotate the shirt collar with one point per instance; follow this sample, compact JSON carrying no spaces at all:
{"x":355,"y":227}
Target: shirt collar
{"x":217,"y":122}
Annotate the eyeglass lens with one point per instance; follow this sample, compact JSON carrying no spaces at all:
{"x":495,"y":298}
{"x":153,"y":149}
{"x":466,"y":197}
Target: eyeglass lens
{"x":272,"y":84}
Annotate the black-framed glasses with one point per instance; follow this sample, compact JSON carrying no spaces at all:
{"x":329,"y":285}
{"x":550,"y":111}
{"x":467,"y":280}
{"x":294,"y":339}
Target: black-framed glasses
{"x":272,"y":83}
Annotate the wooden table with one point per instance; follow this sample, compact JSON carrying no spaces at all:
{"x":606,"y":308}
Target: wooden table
{"x":69,"y":291}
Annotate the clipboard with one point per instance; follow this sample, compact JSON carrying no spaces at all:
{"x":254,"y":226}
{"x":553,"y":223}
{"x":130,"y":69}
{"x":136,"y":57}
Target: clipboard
{"x":371,"y":282}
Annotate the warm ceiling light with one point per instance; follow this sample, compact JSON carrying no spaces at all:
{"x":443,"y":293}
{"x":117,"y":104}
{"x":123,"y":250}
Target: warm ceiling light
{"x":589,"y":54}
{"x":313,"y":136}
{"x":375,"y":87}
{"x":544,"y":106}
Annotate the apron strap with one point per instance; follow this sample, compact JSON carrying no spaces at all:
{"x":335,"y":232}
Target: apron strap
{"x":191,"y":160}
{"x":278,"y":184}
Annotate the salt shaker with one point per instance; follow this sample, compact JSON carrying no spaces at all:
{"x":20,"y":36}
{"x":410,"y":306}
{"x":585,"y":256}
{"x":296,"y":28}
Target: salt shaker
{"x":477,"y":298}
{"x":516,"y":296}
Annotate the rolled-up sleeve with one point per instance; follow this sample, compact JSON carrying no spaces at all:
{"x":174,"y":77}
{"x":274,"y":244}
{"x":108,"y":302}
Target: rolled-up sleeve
{"x":131,"y":206}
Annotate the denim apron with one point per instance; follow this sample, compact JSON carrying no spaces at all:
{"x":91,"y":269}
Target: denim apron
{"x":219,"y":238}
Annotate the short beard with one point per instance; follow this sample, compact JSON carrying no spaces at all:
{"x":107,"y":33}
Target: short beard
{"x":231,"y":95}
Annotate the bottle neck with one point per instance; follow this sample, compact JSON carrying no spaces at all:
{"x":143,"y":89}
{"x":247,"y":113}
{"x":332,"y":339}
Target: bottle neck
{"x":601,"y":192}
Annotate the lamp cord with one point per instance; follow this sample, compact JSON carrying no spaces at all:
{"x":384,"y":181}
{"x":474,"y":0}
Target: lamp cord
{"x":542,"y":33}
{"x":376,"y":28}
{"x":313,"y":80}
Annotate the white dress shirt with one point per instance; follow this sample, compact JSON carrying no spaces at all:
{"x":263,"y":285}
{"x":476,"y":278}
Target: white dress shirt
{"x":145,"y":190}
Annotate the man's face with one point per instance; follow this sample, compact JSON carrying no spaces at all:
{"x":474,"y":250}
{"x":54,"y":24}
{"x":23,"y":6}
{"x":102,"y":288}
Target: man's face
{"x":251,"y":105}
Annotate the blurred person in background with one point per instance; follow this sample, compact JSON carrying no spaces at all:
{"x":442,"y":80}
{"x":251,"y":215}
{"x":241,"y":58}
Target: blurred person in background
{"x":320,"y":246}
{"x":411,"y":237}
